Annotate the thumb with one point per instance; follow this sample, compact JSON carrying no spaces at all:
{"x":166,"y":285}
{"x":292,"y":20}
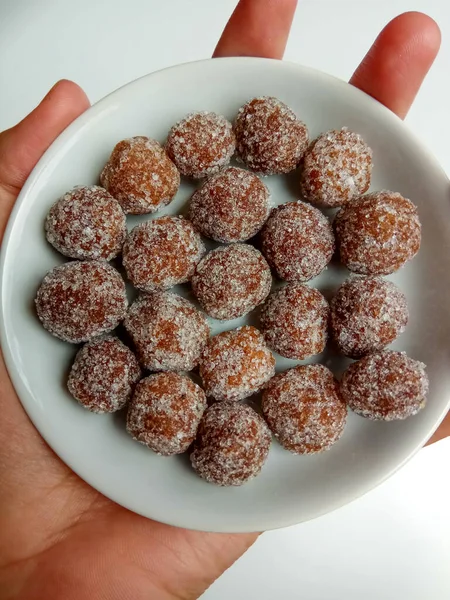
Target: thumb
{"x":23,"y":145}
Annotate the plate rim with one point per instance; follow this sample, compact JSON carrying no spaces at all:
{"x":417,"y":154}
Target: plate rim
{"x":61,"y":142}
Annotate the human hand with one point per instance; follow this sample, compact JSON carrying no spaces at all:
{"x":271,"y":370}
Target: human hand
{"x":59,"y":538}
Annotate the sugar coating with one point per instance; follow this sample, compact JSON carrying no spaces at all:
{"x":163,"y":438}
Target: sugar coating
{"x":169,"y":333}
{"x":201,"y":144}
{"x":231,"y":281}
{"x":336,"y":168}
{"x":378,"y":233}
{"x":162,"y":253}
{"x":140,"y":175}
{"x":294,"y":321}
{"x":232,"y":444}
{"x":385,"y":386}
{"x":270,"y":138}
{"x":232,"y":206}
{"x":104,"y":375}
{"x":236,"y":364}
{"x":304,"y":409}
{"x":80,"y":300}
{"x":367,"y":314}
{"x":297,"y":241}
{"x":86,"y":223}
{"x":165,"y":412}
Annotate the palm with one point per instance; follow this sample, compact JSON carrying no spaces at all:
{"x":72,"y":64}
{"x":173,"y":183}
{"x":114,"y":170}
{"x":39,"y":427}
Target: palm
{"x":59,"y":537}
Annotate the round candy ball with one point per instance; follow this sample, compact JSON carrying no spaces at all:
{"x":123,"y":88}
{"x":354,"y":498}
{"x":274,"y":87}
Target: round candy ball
{"x":337,"y":168}
{"x":378,"y":233}
{"x":236,"y":364}
{"x":140,"y":175}
{"x":231,"y":281}
{"x":385,"y":386}
{"x":86,"y":223}
{"x":304,"y":409}
{"x":294,"y":321}
{"x":297,"y":241}
{"x":104,"y":375}
{"x":232,"y":444}
{"x":162,"y":253}
{"x":78,"y":301}
{"x":367,"y":314}
{"x":168,"y":332}
{"x":201,"y":144}
{"x":165,"y":411}
{"x":270,"y":138}
{"x":232,"y":206}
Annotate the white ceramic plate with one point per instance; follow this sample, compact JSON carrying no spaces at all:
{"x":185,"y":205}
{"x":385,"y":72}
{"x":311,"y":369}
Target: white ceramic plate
{"x":290,"y":488}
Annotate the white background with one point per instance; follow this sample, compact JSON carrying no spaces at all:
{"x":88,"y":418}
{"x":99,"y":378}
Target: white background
{"x":394,"y":543}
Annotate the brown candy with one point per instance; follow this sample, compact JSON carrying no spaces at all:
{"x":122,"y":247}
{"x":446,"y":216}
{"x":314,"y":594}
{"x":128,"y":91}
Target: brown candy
{"x":270,"y":138}
{"x":231,"y":281}
{"x":385,"y":386}
{"x":378,"y":233}
{"x":367,"y":314}
{"x":236,"y":364}
{"x":81,"y":300}
{"x":297,"y":241}
{"x":232,"y":206}
{"x":104,"y":375}
{"x":304,"y":410}
{"x":232,"y":444}
{"x":201,"y":144}
{"x":140,"y":175}
{"x":337,"y":168}
{"x":87,"y":223}
{"x":162,"y":253}
{"x":294,"y":321}
{"x":165,"y":411}
{"x":169,"y":333}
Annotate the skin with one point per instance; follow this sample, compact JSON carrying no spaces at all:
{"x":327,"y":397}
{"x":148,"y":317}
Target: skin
{"x":59,"y":538}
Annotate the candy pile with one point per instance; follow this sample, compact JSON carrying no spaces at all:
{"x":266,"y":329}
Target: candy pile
{"x":168,"y":336}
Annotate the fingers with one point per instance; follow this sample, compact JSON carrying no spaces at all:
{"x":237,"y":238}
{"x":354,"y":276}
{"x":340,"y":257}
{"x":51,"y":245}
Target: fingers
{"x":257,"y":28}
{"x":23,"y":145}
{"x":442,"y":432}
{"x":397,"y":63}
